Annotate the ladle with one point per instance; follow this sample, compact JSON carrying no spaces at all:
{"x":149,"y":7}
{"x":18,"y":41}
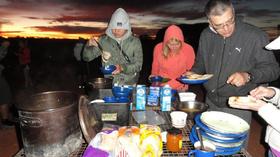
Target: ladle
{"x":200,"y":138}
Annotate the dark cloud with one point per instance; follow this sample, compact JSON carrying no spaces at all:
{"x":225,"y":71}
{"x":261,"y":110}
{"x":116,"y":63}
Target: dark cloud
{"x":153,"y":13}
{"x":257,"y":13}
{"x":191,"y":14}
{"x":70,"y":29}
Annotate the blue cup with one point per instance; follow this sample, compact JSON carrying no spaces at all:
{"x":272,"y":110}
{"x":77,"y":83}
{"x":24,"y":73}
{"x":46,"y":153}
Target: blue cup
{"x":209,"y":150}
{"x":108,"y":69}
{"x":110,"y":99}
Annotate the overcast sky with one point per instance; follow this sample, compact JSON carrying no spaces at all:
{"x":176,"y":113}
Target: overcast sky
{"x":74,"y":18}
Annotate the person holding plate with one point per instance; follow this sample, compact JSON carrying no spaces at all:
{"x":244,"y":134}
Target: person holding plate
{"x":172,"y":58}
{"x":234,"y":53}
{"x":267,"y":105}
{"x":118,"y":47}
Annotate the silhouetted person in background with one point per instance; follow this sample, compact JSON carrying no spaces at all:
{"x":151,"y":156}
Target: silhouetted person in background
{"x":82,"y":69}
{"x":24,"y":57}
{"x":5,"y":92}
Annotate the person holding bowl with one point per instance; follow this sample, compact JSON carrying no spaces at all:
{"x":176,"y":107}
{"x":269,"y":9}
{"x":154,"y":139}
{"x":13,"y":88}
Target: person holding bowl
{"x":119,"y":47}
{"x":172,"y":58}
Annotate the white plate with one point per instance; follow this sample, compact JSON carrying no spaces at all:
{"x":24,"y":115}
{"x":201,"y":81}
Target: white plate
{"x":226,"y":145}
{"x":224,"y":122}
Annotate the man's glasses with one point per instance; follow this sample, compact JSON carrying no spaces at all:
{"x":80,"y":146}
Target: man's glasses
{"x":228,"y":23}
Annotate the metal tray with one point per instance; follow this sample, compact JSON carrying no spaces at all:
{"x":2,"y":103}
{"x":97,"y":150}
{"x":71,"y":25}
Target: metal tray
{"x":185,"y":148}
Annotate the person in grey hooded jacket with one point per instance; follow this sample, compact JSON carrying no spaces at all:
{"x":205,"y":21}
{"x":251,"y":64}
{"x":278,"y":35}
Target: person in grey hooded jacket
{"x":118,"y":47}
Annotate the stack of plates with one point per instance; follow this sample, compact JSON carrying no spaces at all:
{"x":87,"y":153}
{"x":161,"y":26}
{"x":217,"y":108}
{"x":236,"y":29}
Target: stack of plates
{"x":226,"y":131}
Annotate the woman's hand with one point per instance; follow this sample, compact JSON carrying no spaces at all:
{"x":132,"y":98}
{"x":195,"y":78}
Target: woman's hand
{"x":262,"y":92}
{"x":118,"y":70}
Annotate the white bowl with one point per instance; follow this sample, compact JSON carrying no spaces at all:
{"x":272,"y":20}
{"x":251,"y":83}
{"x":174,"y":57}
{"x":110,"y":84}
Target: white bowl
{"x":178,"y":118}
{"x":206,"y":144}
{"x":187,"y":96}
{"x":178,"y":126}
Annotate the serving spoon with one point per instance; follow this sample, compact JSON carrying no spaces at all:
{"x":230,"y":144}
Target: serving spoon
{"x":200,"y":138}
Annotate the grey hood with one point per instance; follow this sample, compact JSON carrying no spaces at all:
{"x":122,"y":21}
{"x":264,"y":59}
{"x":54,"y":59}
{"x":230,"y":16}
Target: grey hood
{"x":119,"y":20}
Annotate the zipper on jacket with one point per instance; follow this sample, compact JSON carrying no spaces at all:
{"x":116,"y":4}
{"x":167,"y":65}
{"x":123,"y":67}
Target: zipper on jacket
{"x":221,"y":66}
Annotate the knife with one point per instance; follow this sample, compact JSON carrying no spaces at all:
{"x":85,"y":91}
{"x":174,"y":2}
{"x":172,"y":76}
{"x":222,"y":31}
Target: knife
{"x":219,"y":87}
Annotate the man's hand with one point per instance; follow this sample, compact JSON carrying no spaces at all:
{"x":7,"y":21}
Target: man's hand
{"x":105,"y":56}
{"x":92,"y":42}
{"x":238,"y":79}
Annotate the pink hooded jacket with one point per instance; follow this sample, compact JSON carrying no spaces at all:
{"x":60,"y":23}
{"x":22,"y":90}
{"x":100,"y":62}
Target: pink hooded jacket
{"x":175,"y":64}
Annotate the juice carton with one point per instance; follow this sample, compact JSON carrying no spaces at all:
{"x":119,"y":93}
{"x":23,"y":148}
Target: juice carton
{"x":153,"y":97}
{"x":140,"y":97}
{"x":165,"y":98}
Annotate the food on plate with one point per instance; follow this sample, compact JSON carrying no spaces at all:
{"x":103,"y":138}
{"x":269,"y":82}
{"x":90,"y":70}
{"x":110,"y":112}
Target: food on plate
{"x":194,"y":76}
{"x":199,"y":77}
{"x":242,"y":99}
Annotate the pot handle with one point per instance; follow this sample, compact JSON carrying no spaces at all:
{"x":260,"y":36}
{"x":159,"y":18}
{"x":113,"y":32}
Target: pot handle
{"x":84,"y":115}
{"x":30,"y":122}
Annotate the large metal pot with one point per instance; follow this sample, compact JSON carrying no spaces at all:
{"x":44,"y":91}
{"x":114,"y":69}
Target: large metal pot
{"x":100,"y":83}
{"x":192,"y":107}
{"x":95,"y":84}
{"x":49,"y":124}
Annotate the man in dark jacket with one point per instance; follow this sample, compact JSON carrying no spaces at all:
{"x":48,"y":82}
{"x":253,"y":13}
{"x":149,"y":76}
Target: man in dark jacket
{"x":234,"y":53}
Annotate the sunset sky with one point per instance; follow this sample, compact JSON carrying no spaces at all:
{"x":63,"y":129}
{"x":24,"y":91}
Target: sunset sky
{"x":83,"y":18}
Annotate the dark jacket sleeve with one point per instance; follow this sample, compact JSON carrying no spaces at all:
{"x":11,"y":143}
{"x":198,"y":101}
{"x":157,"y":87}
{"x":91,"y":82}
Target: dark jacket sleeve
{"x":266,"y":68}
{"x":90,"y":53}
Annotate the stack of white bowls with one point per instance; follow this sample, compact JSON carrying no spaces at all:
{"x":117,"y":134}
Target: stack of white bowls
{"x":178,"y":119}
{"x":226,"y":131}
{"x":187,"y":96}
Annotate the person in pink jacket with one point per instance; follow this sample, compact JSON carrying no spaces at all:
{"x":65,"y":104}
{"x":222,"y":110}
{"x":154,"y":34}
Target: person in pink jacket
{"x":172,"y":58}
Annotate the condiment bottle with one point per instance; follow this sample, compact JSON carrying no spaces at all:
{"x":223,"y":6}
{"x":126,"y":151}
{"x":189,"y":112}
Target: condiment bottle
{"x":174,"y":140}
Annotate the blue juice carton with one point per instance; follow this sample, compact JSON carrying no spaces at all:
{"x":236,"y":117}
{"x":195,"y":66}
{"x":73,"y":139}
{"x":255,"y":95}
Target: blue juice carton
{"x":165,"y":98}
{"x":153,"y":97}
{"x":140,"y":97}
